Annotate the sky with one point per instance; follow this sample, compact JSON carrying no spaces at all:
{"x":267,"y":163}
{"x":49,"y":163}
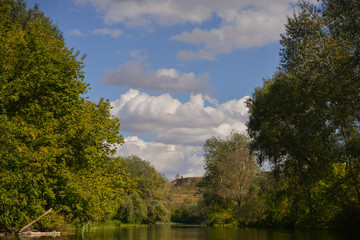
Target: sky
{"x":177,"y":72}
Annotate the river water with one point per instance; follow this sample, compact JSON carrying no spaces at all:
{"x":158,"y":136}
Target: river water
{"x":182,"y":232}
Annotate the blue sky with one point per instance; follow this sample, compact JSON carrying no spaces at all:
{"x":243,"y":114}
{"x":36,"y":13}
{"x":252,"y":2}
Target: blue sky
{"x":176,"y":72}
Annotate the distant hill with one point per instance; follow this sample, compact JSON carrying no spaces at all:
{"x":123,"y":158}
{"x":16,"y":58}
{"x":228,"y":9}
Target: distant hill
{"x":184,"y":188}
{"x":190,"y":181}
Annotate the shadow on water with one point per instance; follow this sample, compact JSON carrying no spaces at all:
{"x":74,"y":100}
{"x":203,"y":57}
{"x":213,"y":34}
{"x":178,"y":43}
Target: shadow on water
{"x":192,"y":232}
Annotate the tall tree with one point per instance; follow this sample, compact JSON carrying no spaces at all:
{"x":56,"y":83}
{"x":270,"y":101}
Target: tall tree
{"x":230,"y":171}
{"x":305,"y":120}
{"x":56,"y":146}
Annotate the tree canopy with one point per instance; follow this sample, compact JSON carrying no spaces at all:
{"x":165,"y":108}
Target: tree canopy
{"x":56,"y":146}
{"x":305,"y":119}
{"x":231,"y":176}
{"x":147,"y":200}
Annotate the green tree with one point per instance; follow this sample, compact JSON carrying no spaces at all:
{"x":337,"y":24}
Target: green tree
{"x":56,"y":146}
{"x":305,"y":120}
{"x":190,"y":212}
{"x":147,"y":201}
{"x":231,"y":175}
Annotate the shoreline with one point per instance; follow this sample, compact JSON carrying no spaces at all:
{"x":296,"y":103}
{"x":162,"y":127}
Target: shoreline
{"x":37,"y":234}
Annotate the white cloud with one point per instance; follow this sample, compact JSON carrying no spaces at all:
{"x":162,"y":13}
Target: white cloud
{"x":166,"y":158}
{"x":76,"y":32}
{"x":253,"y":27}
{"x":173,"y":122}
{"x":243,"y":23}
{"x":179,"y":129}
{"x":144,"y":12}
{"x":189,"y":123}
{"x":107,"y":31}
{"x":132,"y":74}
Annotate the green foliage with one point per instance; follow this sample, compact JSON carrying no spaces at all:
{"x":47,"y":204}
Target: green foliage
{"x":134,"y":210}
{"x":146,"y":201}
{"x":231,"y":184}
{"x":25,"y":17}
{"x":56,"y":146}
{"x":229,"y":170}
{"x":190,"y":212}
{"x":305,"y":120}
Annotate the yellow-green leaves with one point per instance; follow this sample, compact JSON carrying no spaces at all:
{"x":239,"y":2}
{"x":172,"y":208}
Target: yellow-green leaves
{"x":146,"y":200}
{"x":56,"y":147}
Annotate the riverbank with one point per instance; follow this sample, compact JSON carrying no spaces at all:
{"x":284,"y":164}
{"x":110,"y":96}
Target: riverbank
{"x":37,"y":234}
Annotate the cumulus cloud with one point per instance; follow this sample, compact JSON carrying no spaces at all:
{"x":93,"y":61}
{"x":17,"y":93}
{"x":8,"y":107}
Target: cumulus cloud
{"x":253,"y":27}
{"x":179,"y":129}
{"x":132,"y":74}
{"x":243,"y":23}
{"x":169,"y":159}
{"x":173,"y":122}
{"x":107,"y":31}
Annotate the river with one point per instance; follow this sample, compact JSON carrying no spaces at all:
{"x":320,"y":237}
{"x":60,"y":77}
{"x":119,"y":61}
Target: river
{"x":182,"y":232}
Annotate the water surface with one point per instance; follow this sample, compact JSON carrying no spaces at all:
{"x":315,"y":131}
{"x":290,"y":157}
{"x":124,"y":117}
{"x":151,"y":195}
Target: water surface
{"x":182,"y":232}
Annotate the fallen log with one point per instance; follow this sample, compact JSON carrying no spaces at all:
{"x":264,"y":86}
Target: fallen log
{"x":40,"y":234}
{"x":28,"y":225}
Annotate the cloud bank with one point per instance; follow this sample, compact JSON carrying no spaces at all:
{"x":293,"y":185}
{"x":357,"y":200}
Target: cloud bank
{"x":132,"y":74}
{"x":243,"y":23}
{"x":253,"y":27}
{"x":179,"y":129}
{"x":169,"y":159}
{"x":173,"y":122}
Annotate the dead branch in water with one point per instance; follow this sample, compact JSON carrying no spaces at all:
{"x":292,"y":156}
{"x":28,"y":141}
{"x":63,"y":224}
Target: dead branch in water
{"x":27,"y":226}
{"x":83,"y":229}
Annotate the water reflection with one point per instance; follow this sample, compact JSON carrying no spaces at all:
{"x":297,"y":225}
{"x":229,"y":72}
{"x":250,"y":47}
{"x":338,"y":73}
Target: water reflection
{"x":182,"y":232}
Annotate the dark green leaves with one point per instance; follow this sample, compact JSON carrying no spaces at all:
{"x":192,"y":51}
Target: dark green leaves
{"x":305,"y":120}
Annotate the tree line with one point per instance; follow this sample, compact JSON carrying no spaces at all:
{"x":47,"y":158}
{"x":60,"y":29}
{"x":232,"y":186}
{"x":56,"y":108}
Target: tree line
{"x":57,"y":146}
{"x":304,"y":124}
{"x":305,"y":119}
